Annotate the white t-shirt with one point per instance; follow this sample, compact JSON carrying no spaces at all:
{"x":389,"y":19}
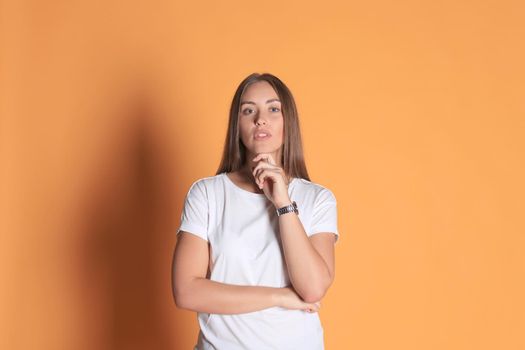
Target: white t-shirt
{"x":242,"y":228}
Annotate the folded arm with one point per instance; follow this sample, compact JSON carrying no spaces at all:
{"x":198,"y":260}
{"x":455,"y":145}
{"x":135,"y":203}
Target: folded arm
{"x":193,"y":291}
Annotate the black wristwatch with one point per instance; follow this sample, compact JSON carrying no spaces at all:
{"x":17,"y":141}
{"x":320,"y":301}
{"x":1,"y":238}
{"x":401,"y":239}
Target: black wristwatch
{"x":288,"y":209}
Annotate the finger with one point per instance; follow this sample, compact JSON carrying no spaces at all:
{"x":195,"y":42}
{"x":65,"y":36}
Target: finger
{"x":266,"y":173}
{"x":275,"y":173}
{"x":259,"y":166}
{"x":267,"y":157}
{"x":260,"y":156}
{"x":259,"y":172}
{"x":309,"y":306}
{"x":312,"y":308}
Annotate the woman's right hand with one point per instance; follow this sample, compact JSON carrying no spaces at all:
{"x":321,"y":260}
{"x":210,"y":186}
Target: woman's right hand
{"x":288,"y":299}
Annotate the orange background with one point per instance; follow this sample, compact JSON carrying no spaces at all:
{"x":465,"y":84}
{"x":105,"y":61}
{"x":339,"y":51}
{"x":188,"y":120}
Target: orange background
{"x":412,"y":113}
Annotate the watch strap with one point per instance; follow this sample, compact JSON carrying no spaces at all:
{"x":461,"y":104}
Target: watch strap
{"x":288,"y":209}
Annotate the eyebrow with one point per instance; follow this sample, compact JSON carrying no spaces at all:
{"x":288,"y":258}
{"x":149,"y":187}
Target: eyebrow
{"x":252,"y":103}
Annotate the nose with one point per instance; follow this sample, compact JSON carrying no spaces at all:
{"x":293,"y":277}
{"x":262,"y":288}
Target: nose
{"x":259,"y":120}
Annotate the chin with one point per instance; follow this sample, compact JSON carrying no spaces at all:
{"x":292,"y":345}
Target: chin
{"x":265,"y":149}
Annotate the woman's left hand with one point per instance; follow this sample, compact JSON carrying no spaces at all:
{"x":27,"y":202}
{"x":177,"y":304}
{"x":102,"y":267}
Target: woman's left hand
{"x":272,"y":179}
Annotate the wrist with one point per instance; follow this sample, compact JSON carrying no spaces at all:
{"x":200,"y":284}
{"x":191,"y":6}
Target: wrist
{"x":290,"y":208}
{"x":277,"y":296}
{"x":282,"y":203}
{"x":280,"y":294}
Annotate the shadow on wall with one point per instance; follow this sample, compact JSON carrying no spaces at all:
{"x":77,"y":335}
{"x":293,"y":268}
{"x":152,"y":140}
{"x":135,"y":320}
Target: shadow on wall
{"x":128,"y":235}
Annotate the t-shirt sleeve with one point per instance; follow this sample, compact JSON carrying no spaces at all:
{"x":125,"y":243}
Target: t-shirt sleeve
{"x":324,"y":218}
{"x":194,"y":216}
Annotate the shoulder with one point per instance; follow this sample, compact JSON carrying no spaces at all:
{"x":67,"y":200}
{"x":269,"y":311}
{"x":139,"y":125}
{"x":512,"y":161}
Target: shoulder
{"x":208,"y":180}
{"x":314,"y":190}
{"x":205,"y":184}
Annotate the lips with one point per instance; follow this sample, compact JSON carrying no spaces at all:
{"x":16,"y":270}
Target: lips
{"x":261,"y":134}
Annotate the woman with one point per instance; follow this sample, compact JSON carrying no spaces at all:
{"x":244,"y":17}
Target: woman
{"x":255,"y":250}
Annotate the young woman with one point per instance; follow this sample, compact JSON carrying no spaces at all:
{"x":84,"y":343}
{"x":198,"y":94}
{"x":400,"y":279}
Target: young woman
{"x":255,"y":249}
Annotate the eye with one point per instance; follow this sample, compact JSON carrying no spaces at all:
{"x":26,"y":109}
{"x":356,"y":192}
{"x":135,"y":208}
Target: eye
{"x":247,"y":111}
{"x":275,"y":109}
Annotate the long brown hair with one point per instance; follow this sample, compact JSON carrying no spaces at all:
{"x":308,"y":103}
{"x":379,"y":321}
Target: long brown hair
{"x":292,"y":158}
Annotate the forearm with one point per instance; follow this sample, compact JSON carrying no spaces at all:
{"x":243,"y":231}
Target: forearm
{"x":204,"y":295}
{"x":307,"y":270}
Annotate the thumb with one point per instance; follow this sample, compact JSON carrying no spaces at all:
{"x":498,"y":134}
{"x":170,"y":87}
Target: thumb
{"x":313,"y":307}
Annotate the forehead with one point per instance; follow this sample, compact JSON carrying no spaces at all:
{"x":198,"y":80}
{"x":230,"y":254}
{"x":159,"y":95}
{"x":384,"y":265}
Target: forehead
{"x":260,"y":90}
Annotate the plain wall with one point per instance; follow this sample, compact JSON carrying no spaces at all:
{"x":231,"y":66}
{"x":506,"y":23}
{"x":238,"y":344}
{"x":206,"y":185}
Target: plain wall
{"x":412,"y":113}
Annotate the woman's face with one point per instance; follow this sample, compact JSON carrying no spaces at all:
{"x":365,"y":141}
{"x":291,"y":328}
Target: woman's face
{"x":261,"y":121}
